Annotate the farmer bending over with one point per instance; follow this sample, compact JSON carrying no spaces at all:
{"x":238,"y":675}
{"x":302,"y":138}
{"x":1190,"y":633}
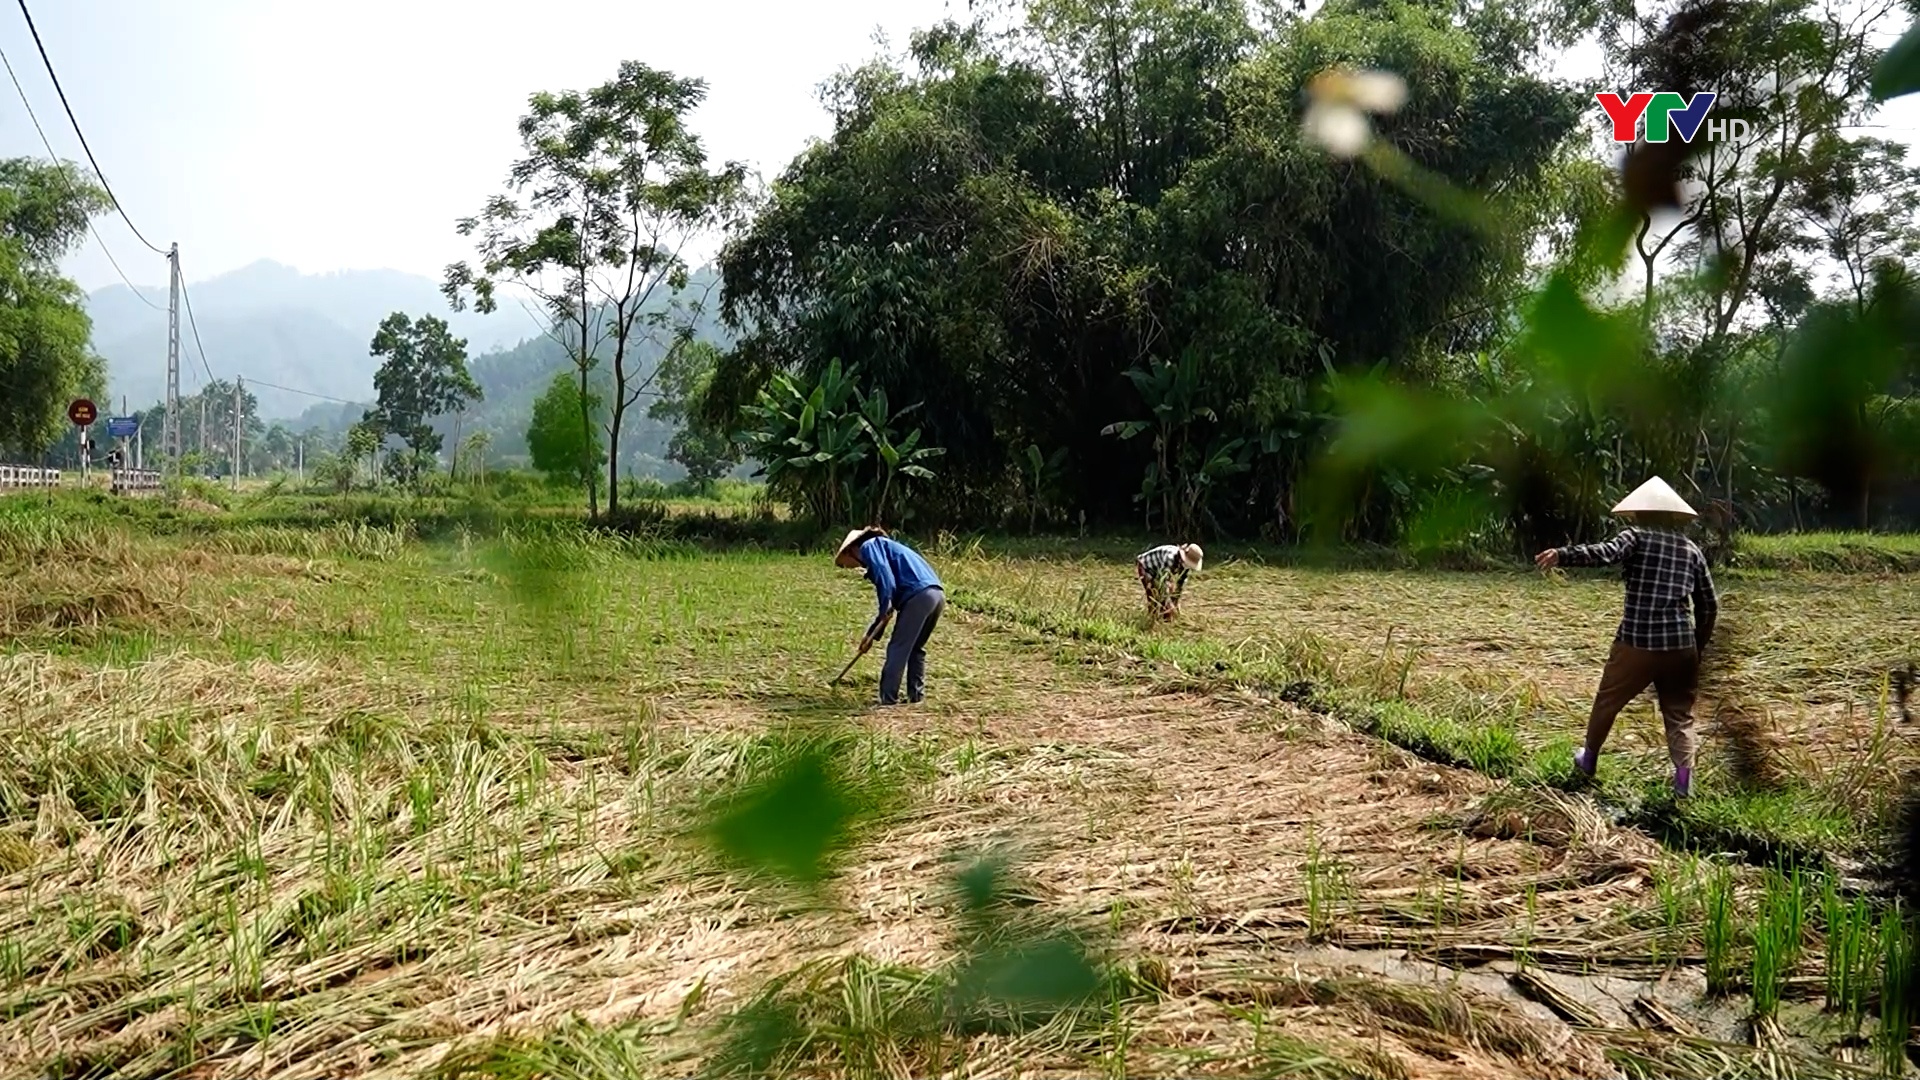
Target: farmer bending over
{"x":1163,"y":574}
{"x":1656,"y":643}
{"x":905,"y":585}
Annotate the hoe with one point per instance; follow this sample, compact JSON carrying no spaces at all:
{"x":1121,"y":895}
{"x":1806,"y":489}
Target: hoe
{"x":865,"y":644}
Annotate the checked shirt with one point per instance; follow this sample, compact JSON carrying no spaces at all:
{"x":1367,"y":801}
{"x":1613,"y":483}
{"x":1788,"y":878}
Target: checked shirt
{"x":1160,"y":564}
{"x":1663,"y":571}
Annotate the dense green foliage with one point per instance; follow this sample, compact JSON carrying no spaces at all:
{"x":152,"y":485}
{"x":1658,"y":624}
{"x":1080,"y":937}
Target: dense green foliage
{"x":423,"y":375}
{"x":706,"y":453}
{"x":1094,"y":246}
{"x":559,"y":444}
{"x":45,"y":358}
{"x":1038,"y":252}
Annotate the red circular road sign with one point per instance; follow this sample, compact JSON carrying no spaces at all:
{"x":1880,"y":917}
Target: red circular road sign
{"x":82,"y":412}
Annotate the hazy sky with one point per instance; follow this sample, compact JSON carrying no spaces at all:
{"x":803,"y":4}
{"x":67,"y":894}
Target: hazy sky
{"x":352,"y":134}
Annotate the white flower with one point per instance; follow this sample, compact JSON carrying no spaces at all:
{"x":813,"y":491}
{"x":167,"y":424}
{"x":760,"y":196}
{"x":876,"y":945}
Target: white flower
{"x":1337,"y":116}
{"x":1341,"y":129}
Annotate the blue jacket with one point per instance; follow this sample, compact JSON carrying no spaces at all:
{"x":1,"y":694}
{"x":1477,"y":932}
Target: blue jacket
{"x":898,"y":574}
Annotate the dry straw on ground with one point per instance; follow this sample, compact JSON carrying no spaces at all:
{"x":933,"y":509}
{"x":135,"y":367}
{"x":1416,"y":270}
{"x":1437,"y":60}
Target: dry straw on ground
{"x":348,"y":866}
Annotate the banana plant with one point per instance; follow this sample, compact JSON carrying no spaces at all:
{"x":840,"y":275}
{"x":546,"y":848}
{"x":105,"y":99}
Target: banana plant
{"x":809,"y":442}
{"x":814,"y":443}
{"x":902,"y":458}
{"x":1200,"y":474}
{"x":1039,"y":473}
{"x":1171,"y":392}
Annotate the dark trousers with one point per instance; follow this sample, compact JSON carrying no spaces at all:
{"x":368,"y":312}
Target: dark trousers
{"x":907,"y":648}
{"x":1674,"y":675}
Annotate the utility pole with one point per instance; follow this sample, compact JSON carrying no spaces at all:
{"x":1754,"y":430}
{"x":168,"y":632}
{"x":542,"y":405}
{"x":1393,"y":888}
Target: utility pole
{"x":171,"y":439}
{"x":236,"y":433}
{"x":203,"y":422}
{"x":300,"y":459}
{"x":122,"y":463}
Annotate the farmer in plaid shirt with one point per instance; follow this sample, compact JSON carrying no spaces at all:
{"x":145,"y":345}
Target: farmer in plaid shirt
{"x":1163,"y":574}
{"x":1657,"y":644}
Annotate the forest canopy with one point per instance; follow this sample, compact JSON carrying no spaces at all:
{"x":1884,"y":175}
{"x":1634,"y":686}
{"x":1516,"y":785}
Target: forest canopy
{"x":1088,"y":245}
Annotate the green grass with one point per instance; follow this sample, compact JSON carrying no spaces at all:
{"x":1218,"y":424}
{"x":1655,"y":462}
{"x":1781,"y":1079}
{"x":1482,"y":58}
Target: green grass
{"x":1831,"y":551}
{"x":1495,"y":673}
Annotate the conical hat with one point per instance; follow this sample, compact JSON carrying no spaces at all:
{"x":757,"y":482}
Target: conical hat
{"x":1654,"y":497}
{"x":844,"y":554}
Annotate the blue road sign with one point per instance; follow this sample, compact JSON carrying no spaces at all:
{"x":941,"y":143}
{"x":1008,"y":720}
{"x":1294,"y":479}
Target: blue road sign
{"x":122,"y":427}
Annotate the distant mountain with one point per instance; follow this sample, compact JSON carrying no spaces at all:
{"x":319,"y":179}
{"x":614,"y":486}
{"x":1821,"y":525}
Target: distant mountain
{"x":512,"y":378}
{"x":271,"y":323}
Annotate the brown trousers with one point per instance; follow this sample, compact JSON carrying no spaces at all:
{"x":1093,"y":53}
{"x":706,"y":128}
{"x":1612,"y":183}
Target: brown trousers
{"x":1674,"y":675}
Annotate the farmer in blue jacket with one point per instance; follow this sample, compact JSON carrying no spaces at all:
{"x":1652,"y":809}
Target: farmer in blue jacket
{"x":906,"y":586}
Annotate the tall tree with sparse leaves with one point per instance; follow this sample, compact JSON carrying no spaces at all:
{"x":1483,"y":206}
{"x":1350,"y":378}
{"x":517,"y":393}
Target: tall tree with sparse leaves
{"x":600,"y":212}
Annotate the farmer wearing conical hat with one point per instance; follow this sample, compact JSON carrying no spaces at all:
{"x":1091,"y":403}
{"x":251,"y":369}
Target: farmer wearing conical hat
{"x":906,"y":586}
{"x":1163,"y":575}
{"x":1656,"y":643}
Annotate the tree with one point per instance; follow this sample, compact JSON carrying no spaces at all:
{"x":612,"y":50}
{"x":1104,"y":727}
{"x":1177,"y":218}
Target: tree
{"x":212,"y":403}
{"x":615,"y":187}
{"x":45,"y":358}
{"x":362,"y":443}
{"x":423,"y":374}
{"x":471,"y":456}
{"x":274,"y":451}
{"x":704,"y":451}
{"x":560,"y":445}
{"x":1005,"y":226}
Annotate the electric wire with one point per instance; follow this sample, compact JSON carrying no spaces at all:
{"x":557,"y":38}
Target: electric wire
{"x":44,"y":141}
{"x":187,"y":299}
{"x":97,"y":171}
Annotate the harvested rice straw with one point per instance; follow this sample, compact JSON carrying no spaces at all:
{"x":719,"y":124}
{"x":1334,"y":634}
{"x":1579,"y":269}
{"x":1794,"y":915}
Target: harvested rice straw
{"x":1755,"y":749}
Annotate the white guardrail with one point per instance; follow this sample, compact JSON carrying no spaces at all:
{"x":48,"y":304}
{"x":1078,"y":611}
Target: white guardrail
{"x":13,"y":477}
{"x":136,"y":479}
{"x":24,"y":476}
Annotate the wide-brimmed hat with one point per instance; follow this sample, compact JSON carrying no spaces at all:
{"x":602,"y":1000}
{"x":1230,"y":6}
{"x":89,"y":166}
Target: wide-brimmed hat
{"x":1191,"y":555}
{"x":844,"y":555}
{"x":1654,"y":497}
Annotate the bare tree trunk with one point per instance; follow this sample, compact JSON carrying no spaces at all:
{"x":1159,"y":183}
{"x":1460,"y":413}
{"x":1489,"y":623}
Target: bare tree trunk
{"x":587,"y":470}
{"x":619,"y":415}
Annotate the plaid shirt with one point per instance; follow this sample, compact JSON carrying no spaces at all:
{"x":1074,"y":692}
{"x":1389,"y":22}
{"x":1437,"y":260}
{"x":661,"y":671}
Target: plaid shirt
{"x":1161,"y":563}
{"x":1663,"y":570}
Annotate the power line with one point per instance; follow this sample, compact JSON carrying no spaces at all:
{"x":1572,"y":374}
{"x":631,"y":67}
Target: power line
{"x":185,"y":296}
{"x":188,"y":300}
{"x":44,"y":141}
{"x":308,"y":393}
{"x":97,"y":170}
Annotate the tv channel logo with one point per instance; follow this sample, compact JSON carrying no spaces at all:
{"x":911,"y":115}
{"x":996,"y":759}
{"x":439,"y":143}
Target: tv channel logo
{"x":1666,"y":114}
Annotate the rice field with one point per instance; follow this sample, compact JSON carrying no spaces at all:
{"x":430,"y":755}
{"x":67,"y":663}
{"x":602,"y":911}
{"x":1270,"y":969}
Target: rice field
{"x":326,"y":802}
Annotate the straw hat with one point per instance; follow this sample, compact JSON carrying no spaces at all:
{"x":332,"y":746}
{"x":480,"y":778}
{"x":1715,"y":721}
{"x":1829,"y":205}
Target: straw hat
{"x":1192,"y":555}
{"x":1654,"y":497}
{"x":845,"y":556}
